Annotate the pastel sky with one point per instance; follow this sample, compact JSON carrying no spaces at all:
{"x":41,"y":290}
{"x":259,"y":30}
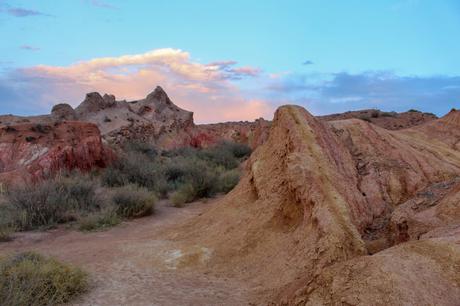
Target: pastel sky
{"x":232,"y":60}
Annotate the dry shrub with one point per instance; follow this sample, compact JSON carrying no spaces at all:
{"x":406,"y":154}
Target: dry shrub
{"x":131,"y":201}
{"x":31,"y":279}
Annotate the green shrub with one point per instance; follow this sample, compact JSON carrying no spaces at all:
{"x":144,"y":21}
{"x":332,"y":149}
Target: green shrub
{"x":99,"y":221}
{"x":31,"y":279}
{"x":131,"y":201}
{"x":184,"y":194}
{"x":133,"y":168}
{"x":228,"y":180}
{"x":219,"y":156}
{"x":237,"y":149}
{"x":141,"y":147}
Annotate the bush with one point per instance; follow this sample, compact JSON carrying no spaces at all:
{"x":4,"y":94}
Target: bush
{"x":184,"y":194}
{"x":30,"y":279}
{"x":141,"y":147}
{"x":7,"y":223}
{"x":6,"y":231}
{"x":99,"y":221}
{"x":237,"y":149}
{"x":219,"y":156}
{"x":134,"y":168}
{"x":52,"y":201}
{"x":228,"y":180}
{"x":132,"y":201}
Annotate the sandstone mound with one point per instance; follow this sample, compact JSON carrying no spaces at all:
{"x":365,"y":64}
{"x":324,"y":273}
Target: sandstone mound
{"x":318,"y":197}
{"x":31,"y":151}
{"x":297,"y":209}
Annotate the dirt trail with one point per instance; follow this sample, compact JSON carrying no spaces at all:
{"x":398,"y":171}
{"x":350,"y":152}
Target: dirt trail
{"x":133,"y":263}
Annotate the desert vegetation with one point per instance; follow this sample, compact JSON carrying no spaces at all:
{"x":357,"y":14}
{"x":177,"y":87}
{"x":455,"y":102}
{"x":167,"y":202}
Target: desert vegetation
{"x":31,"y":279}
{"x":129,"y":188}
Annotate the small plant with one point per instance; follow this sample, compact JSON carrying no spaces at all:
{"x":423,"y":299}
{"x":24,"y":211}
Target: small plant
{"x":413,"y":111}
{"x":6,"y":230}
{"x":228,"y":180}
{"x":99,"y":221}
{"x":31,"y":279}
{"x":184,"y":194}
{"x":132,"y":201}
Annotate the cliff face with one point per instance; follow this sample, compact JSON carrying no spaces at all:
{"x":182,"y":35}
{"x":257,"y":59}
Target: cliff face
{"x":30,"y":151}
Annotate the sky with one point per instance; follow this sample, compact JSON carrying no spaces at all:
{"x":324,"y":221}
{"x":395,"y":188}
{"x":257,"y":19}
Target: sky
{"x":232,"y":60}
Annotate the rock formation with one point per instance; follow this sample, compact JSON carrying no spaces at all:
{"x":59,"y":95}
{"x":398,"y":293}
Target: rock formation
{"x":321,"y":203}
{"x":30,"y":151}
{"x":386,"y":120}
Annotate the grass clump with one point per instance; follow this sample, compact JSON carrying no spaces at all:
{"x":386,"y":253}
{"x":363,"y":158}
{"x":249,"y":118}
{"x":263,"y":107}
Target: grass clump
{"x":31,"y":279}
{"x":132,"y":201}
{"x":185,"y":194}
{"x":99,"y":221}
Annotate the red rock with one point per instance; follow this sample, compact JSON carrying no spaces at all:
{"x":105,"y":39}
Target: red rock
{"x":34,"y":151}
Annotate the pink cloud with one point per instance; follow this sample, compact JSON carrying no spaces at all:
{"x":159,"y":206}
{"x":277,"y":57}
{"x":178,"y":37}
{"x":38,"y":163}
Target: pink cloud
{"x":205,"y":89}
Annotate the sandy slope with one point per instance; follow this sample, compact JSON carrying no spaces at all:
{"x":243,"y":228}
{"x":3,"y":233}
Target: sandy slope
{"x":133,"y":264}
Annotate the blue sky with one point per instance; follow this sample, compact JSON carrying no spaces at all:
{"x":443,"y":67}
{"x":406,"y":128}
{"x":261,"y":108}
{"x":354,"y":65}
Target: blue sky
{"x":327,"y":56}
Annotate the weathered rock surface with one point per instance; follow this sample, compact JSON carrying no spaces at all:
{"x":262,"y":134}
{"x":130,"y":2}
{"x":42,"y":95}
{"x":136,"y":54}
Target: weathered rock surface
{"x":319,"y":197}
{"x":30,"y":151}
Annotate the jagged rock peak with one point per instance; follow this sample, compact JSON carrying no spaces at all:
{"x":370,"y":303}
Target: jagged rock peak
{"x":160,"y":95}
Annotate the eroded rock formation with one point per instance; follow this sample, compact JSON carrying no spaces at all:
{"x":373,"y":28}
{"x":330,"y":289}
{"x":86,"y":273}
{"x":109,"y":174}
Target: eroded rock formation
{"x":342,"y":213}
{"x":31,"y":151}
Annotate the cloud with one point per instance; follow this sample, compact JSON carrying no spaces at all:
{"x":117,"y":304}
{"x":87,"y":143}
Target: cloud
{"x":19,"y":11}
{"x":386,"y":90}
{"x":29,"y":48}
{"x":206,"y":89}
{"x":222,"y":90}
{"x":101,"y":4}
{"x":307,"y":62}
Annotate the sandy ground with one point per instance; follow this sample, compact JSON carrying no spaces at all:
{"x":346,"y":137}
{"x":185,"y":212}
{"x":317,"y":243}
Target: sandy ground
{"x":133,"y":264}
